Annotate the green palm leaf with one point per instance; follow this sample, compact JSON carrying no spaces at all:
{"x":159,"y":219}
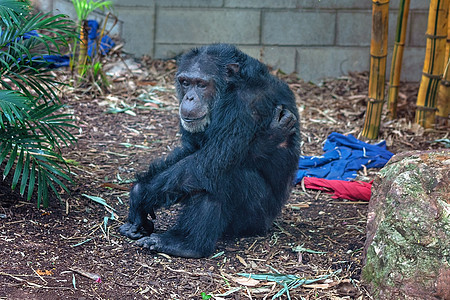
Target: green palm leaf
{"x":13,"y":107}
{"x":32,"y":124}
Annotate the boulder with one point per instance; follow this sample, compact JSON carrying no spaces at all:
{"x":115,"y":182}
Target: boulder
{"x":407,"y":251}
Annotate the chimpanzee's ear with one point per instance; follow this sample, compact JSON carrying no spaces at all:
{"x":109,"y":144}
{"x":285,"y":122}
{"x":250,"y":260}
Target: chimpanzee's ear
{"x":232,"y":69}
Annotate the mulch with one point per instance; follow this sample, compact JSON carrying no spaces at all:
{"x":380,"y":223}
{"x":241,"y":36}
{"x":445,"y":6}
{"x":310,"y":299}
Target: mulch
{"x":72,"y":250}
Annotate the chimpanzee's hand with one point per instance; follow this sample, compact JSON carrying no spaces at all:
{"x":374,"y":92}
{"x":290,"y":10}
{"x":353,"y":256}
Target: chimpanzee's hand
{"x":136,"y":231}
{"x":283,"y":124}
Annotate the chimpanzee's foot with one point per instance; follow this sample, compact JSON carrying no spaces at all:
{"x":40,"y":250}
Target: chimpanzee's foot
{"x":169,"y":244}
{"x":135,"y":232}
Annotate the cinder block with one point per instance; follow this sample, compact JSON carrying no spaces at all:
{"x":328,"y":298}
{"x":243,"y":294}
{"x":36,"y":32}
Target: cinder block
{"x":354,"y":28}
{"x":143,"y":3}
{"x":314,"y":64}
{"x":335,"y":4}
{"x":261,"y":3}
{"x":282,"y":58}
{"x":64,"y":7}
{"x":170,"y":51}
{"x":170,"y":3}
{"x":423,"y":5}
{"x":414,"y":5}
{"x":187,"y":3}
{"x":138,"y":39}
{"x":298,"y":28}
{"x":253,"y":51}
{"x":163,"y":51}
{"x":418,"y":29}
{"x":204,"y":26}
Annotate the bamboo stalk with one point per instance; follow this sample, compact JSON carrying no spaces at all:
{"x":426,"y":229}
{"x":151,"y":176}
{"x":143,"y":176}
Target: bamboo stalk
{"x":82,"y":54}
{"x":443,"y":97}
{"x":433,"y":64}
{"x":397,"y":57}
{"x":378,"y":54}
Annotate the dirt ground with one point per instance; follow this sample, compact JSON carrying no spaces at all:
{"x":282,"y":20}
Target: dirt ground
{"x":72,"y":250}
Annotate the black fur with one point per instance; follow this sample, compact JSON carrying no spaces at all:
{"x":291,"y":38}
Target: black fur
{"x":233,"y":177}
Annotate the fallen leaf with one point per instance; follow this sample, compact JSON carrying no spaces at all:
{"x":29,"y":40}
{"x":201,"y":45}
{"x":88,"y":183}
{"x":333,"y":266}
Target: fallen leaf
{"x":44,"y":272}
{"x":241,"y":260}
{"x":247,"y":281}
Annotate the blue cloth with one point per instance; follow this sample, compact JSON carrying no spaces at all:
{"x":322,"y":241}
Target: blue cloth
{"x":30,"y":34}
{"x":343,"y":157}
{"x":52,"y":61}
{"x":57,"y":61}
{"x":106,"y":42}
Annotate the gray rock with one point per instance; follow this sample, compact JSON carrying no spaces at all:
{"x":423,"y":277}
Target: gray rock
{"x":407,"y":251}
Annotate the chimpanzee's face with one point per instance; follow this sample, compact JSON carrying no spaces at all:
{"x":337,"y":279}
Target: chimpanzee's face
{"x":196,"y":90}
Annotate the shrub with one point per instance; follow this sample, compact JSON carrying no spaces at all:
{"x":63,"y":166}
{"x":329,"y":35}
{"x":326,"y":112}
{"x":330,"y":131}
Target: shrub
{"x":32,"y":125}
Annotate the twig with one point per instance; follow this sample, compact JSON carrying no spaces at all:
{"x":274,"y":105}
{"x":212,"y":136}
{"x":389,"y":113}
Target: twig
{"x":324,"y":114}
{"x":89,"y":275}
{"x":38,"y":275}
{"x":32,"y":284}
{"x":282,"y":229}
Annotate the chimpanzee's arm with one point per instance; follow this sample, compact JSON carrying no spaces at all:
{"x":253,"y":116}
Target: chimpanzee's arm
{"x":276,"y":136}
{"x":159,"y":165}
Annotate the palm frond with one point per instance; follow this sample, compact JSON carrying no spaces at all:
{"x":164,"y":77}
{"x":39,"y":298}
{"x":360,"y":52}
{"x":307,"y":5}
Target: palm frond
{"x":31,"y":122}
{"x":19,"y":7}
{"x":13,"y":107}
{"x":84,"y":7}
{"x":12,"y":10}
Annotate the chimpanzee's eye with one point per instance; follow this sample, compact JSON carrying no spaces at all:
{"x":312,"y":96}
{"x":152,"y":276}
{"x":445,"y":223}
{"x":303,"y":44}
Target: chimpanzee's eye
{"x":201,"y":85}
{"x":184,"y":82}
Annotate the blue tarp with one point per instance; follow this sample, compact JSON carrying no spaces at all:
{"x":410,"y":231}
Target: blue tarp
{"x":343,"y":157}
{"x":57,"y":61}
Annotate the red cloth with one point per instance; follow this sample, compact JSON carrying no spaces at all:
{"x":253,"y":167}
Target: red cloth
{"x":351,"y":190}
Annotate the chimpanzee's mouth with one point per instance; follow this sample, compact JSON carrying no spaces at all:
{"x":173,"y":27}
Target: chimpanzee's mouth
{"x":189,"y":120}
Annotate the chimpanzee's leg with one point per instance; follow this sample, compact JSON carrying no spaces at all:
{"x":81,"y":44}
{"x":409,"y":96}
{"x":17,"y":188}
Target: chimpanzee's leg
{"x":198,"y":228}
{"x":138,"y":225}
{"x":254,"y":205}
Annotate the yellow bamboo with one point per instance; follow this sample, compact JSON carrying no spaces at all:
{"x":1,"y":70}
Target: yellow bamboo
{"x":82,"y":54}
{"x":443,"y":97}
{"x":397,"y":57}
{"x":433,"y":64}
{"x":378,"y":54}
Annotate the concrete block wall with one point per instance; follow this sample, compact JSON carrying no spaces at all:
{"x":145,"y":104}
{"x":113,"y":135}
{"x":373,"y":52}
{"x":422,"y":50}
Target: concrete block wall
{"x":314,"y":38}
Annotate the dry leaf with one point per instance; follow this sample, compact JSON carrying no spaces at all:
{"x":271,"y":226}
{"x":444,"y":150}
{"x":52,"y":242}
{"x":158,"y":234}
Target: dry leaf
{"x":44,"y":272}
{"x":297,"y":205}
{"x":246,"y":281}
{"x":241,"y":260}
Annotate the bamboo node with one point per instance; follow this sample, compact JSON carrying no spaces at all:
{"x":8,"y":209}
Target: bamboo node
{"x":432,"y":76}
{"x":380,"y":3}
{"x":435,"y":37}
{"x":378,"y":56}
{"x":445,"y":82}
{"x":372,"y":100}
{"x":426,"y":108}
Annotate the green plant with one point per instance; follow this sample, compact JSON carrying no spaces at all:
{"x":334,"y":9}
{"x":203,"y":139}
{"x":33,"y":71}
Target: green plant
{"x":205,"y":296}
{"x":84,"y":8}
{"x":80,"y":58}
{"x":32,"y":127}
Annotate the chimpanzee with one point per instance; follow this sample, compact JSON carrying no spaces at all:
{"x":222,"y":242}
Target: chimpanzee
{"x":236,"y":163}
